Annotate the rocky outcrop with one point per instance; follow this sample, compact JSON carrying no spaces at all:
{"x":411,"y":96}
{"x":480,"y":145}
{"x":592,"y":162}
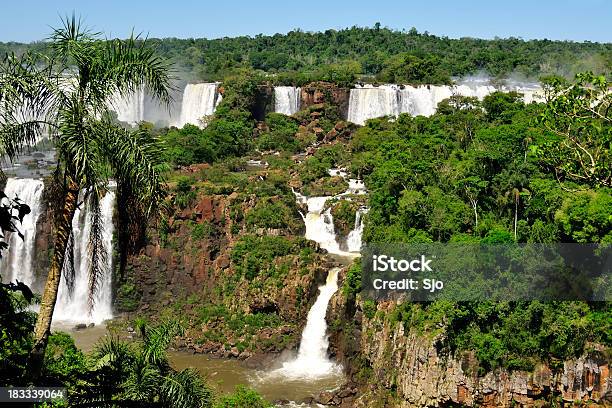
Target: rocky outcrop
{"x":234,"y":310}
{"x":405,"y":369}
{"x":326,"y":92}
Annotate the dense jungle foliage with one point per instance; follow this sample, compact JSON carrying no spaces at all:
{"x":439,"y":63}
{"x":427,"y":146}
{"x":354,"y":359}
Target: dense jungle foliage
{"x":372,"y":53}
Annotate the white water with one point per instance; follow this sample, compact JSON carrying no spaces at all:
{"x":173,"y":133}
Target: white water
{"x":199,"y":101}
{"x":353,"y":241}
{"x":287,"y":99}
{"x":130,"y":109}
{"x":18,"y":261}
{"x":74,"y":307}
{"x":368,"y":101}
{"x":312,"y":360}
{"x":320,"y":225}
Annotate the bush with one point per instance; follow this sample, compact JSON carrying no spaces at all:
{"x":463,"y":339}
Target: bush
{"x":242,"y":398}
{"x":62,"y":359}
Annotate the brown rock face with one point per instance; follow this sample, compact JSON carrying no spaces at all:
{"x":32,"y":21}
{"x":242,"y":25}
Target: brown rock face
{"x":422,"y":376}
{"x":322,"y":92}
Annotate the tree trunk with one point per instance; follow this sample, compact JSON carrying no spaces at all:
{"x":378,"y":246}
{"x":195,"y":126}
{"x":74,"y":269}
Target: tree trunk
{"x":515,"y":215}
{"x":63,"y":226}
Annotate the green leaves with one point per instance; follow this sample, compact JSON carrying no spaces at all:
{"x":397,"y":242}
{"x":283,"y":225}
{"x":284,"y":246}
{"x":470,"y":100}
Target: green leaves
{"x":579,"y":120}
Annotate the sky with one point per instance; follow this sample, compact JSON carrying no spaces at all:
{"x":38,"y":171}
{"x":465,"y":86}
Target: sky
{"x":579,"y":20}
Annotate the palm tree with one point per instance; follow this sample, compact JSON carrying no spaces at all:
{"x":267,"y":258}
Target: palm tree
{"x":65,"y":96}
{"x":139,"y":375}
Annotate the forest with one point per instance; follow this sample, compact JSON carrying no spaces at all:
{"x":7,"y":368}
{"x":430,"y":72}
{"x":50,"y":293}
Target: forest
{"x":371,"y":53}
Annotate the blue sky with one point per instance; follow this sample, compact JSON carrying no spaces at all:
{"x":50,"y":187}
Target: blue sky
{"x":580,"y":20}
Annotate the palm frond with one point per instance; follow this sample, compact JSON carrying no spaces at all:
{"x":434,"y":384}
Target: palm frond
{"x":143,"y":381}
{"x":126,"y":66}
{"x":68,"y":269}
{"x":185,"y":389}
{"x":97,"y":250}
{"x":111,"y":351}
{"x":157,"y":340}
{"x":136,"y":159}
{"x":71,"y":41}
{"x":29,"y":96}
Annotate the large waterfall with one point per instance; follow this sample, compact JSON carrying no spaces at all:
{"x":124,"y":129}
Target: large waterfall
{"x":196,"y":102}
{"x":130,"y":108}
{"x":73,"y":306}
{"x":369,"y":101}
{"x":18,"y":261}
{"x":287,"y":99}
{"x":199,"y":101}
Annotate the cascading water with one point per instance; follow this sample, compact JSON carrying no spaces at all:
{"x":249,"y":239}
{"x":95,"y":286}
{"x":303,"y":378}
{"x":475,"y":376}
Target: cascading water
{"x":353,"y":241}
{"x":199,"y":101}
{"x":320,"y":225}
{"x":368,"y":101}
{"x":312,"y":360}
{"x":287,"y":99}
{"x":73,"y":307}
{"x":18,"y":261}
{"x":130,"y":108}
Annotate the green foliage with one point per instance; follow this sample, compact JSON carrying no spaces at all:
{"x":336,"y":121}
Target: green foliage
{"x":352,"y":282}
{"x":189,"y":145}
{"x":138,"y":373}
{"x":343,"y":213}
{"x":411,"y":69}
{"x":127,"y":297}
{"x":62,"y":359}
{"x":579,"y":123}
{"x":242,"y":398}
{"x":254,"y":255}
{"x":369,"y":308}
{"x":586,"y":217}
{"x":202,"y":231}
{"x":301,"y":56}
{"x":281,"y":134}
{"x":273,"y":214}
{"x":16,"y":326}
{"x":513,"y":335}
{"x":185,"y":193}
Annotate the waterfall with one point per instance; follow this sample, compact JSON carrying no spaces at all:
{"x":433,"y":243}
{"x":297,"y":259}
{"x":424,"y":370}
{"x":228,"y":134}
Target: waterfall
{"x":372,"y":102}
{"x":287,"y":99}
{"x":18,"y":261}
{"x":199,"y":101}
{"x":320,"y":225}
{"x":73,"y":307}
{"x":130,"y":108}
{"x":353,"y":241}
{"x":368,"y":101}
{"x":312,"y":361}
{"x":140,"y":106}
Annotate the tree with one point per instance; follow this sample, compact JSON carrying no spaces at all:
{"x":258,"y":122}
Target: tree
{"x":128,"y":374}
{"x":65,"y":96}
{"x":580,"y":119}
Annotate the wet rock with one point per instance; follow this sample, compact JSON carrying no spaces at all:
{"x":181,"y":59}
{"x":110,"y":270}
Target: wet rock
{"x":90,"y":325}
{"x":325,"y":398}
{"x":80,"y":326}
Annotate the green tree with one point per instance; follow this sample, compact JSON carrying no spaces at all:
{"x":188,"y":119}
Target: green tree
{"x":580,"y":119}
{"x":66,"y":96}
{"x":126,"y":374}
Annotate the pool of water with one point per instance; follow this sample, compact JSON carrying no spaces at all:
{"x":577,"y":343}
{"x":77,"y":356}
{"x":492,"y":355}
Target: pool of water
{"x":225,"y":374}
